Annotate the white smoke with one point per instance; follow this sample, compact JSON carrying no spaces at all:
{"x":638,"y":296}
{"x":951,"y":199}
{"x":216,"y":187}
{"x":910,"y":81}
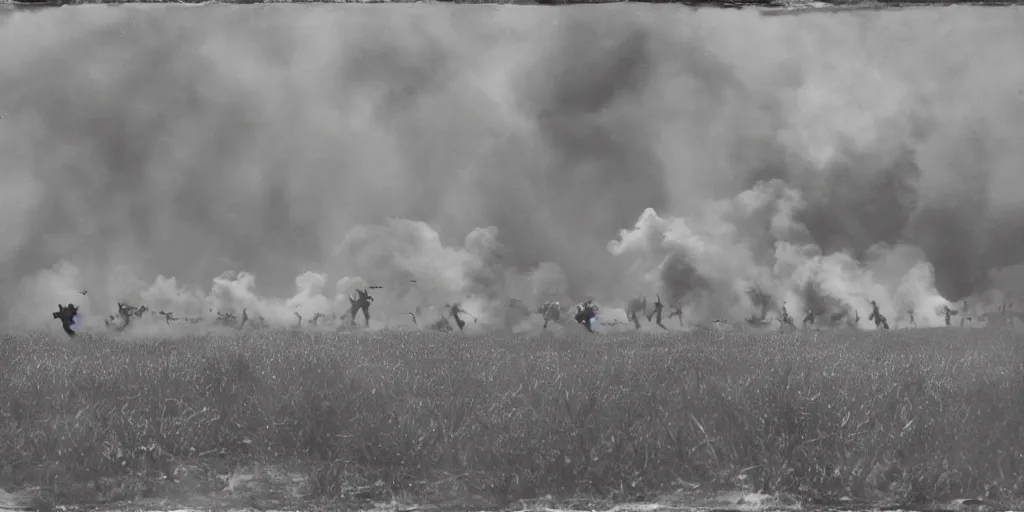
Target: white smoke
{"x":708,"y":262}
{"x":416,"y":270}
{"x":405,"y":259}
{"x":806,"y":155}
{"x":704,"y":264}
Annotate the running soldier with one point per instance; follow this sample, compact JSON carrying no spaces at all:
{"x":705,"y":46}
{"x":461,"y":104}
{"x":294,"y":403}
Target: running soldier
{"x":809,"y":318}
{"x":66,"y":315}
{"x":877,"y":317}
{"x":360,"y":302}
{"x":454,"y":310}
{"x":949,"y":313}
{"x":552,"y":312}
{"x":785,"y":319}
{"x":168,"y":317}
{"x":656,"y":314}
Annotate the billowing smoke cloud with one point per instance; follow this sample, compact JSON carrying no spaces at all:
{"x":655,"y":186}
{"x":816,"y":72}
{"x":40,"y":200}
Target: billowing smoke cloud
{"x":757,"y":241}
{"x":416,"y":270}
{"x":491,"y":153}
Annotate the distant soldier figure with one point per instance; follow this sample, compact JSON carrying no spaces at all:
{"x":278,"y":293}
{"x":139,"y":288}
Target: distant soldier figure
{"x":66,"y":315}
{"x":949,"y":315}
{"x":785,"y":319}
{"x":316,"y":318}
{"x":298,"y":324}
{"x":875,"y":313}
{"x":126,"y":312}
{"x":168,"y":317}
{"x":454,"y":310}
{"x":656,"y":314}
{"x":808,"y":318}
{"x":245,"y":318}
{"x":913,"y":322}
{"x":634,"y":308}
{"x":552,"y":312}
{"x":877,"y":317}
{"x":584,"y":314}
{"x":360,"y":302}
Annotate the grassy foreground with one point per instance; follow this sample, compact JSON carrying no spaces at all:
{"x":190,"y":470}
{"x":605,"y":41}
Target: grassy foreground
{"x":910,"y":416}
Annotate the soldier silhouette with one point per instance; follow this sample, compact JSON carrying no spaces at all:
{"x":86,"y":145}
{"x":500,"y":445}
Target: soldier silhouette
{"x":66,"y":315}
{"x":656,"y":314}
{"x":360,"y":302}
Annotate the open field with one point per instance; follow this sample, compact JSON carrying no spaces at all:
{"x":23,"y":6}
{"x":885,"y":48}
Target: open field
{"x":909,"y":416}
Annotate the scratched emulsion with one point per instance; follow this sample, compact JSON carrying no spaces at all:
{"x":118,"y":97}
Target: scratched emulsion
{"x":496,"y":152}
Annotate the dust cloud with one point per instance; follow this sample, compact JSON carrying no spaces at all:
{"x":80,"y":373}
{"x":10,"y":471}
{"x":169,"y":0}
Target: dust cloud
{"x":186,"y":157}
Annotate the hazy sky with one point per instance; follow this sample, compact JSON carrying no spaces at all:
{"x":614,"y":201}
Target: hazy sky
{"x":186,"y":141}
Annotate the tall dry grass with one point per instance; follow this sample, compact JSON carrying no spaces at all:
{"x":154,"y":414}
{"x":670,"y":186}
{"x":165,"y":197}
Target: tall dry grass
{"x":912,"y":415}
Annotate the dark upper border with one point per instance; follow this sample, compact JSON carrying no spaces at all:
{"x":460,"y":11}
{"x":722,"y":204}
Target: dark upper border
{"x":771,"y":6}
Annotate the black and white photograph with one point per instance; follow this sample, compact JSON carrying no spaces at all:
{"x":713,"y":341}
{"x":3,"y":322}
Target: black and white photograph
{"x":516,"y":256}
